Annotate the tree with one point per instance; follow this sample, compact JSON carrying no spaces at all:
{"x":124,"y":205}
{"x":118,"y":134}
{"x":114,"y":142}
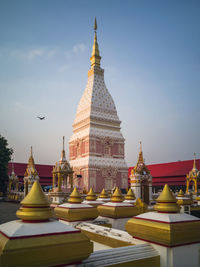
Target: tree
{"x":5,"y":157}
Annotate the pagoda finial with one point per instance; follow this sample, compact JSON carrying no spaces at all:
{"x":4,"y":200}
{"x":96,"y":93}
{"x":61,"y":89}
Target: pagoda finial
{"x":117,"y":196}
{"x":91,"y":196}
{"x":75,"y":197}
{"x":63,"y":158}
{"x":166,"y":202}
{"x":130,"y":195}
{"x":140,"y":157}
{"x":103,"y":194}
{"x":95,"y":24}
{"x":35,"y":206}
{"x":13,"y":171}
{"x":95,"y":57}
{"x":194,"y":163}
{"x":31,"y":162}
{"x":63,"y":142}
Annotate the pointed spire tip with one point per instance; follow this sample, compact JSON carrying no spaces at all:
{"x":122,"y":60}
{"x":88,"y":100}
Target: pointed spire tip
{"x":95,"y":24}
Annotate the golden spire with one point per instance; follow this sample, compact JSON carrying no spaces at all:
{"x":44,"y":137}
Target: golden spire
{"x":63,"y":158}
{"x":166,"y":202}
{"x":13,"y":171}
{"x":181,"y":193}
{"x":130,"y":195}
{"x":194,"y":163}
{"x":103,"y":194}
{"x":75,"y":197}
{"x":91,"y":196}
{"x":35,"y":206}
{"x":30,"y":169}
{"x":140,"y":157}
{"x":95,"y":57}
{"x":117,"y":196}
{"x":31,"y":162}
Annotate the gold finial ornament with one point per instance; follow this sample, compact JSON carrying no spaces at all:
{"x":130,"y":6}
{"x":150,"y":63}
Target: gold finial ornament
{"x":91,"y":196}
{"x":35,"y":206}
{"x":140,"y":167}
{"x":31,"y":162}
{"x":103,"y":194}
{"x":140,"y":157}
{"x":117,"y":196}
{"x":75,"y":197}
{"x":194,"y":163}
{"x":30,"y":170}
{"x":95,"y":57}
{"x":95,"y":24}
{"x":130,"y":195}
{"x":63,"y":158}
{"x":166,"y":202}
{"x":181,"y":193}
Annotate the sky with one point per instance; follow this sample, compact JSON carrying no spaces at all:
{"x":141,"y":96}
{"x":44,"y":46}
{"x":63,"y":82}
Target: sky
{"x":151,"y":56}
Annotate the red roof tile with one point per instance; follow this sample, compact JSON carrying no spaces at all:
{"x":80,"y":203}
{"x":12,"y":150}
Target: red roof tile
{"x":171,"y":169}
{"x":43,"y":170}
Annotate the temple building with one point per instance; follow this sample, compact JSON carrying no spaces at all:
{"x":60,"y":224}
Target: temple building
{"x":192,"y":179}
{"x":30,"y":175}
{"x":13,"y":185}
{"x":62,"y":179}
{"x":141,"y":179}
{"x":97,"y":145}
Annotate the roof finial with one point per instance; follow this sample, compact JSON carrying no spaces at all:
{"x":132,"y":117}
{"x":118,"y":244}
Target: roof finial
{"x":194,"y":163}
{"x":63,"y":143}
{"x":95,"y":58}
{"x":95,"y":24}
{"x":12,"y":166}
{"x":31,"y":162}
{"x":63,"y":158}
{"x":140,"y":157}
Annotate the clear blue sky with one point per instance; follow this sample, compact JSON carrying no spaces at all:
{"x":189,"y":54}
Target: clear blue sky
{"x":151,"y":55}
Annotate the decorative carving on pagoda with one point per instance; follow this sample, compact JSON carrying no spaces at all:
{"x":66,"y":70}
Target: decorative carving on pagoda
{"x":193,"y":178}
{"x":30,"y":175}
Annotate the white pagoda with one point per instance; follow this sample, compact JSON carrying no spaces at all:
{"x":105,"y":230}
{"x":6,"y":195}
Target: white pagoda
{"x":97,"y":145}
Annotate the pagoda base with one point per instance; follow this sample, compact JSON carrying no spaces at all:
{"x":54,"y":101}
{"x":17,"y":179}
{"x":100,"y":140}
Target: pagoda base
{"x":117,"y":223}
{"x":57,"y":198}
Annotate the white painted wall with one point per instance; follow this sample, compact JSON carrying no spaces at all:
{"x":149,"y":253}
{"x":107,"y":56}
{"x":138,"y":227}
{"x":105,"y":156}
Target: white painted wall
{"x":182,"y":256}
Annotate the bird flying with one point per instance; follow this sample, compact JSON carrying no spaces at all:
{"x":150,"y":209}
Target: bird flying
{"x":41,"y":118}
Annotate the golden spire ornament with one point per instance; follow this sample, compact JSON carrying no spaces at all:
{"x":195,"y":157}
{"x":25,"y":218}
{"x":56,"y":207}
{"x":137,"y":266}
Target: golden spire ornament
{"x":194,"y":163}
{"x":31,"y":162}
{"x":103,"y":194}
{"x":75,"y":197}
{"x":181,"y":193}
{"x":95,"y":24}
{"x":117,"y":196}
{"x":166,"y":202}
{"x":91,"y":196}
{"x":63,"y":158}
{"x":130,"y":195}
{"x":95,"y":57}
{"x":35,"y":206}
{"x":140,"y":157}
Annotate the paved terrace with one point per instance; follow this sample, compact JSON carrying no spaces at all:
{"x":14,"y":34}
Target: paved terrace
{"x":8,"y":211}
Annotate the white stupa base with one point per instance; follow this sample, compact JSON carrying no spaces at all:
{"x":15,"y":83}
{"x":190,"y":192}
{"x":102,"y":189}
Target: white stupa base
{"x":75,"y":223}
{"x":118,"y":223}
{"x":183,"y":256}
